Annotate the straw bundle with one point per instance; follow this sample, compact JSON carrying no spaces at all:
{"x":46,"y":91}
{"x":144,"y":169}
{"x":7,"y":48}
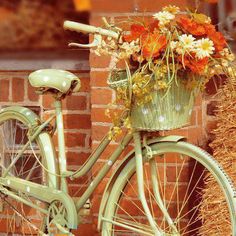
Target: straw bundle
{"x":213,"y":210}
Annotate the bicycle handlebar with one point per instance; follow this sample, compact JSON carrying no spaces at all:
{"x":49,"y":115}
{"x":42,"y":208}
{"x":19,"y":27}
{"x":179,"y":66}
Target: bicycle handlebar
{"x":79,"y":27}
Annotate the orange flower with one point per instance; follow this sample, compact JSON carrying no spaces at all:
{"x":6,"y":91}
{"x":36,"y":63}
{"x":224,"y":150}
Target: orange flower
{"x":191,"y":26}
{"x":154,"y":26}
{"x":217,"y":37}
{"x":210,"y":29}
{"x":152,"y":44}
{"x":218,"y":40}
{"x":137,"y":30}
{"x":195,"y":65}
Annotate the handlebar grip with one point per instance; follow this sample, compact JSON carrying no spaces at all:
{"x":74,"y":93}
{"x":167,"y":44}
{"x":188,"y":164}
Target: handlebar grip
{"x":79,"y":27}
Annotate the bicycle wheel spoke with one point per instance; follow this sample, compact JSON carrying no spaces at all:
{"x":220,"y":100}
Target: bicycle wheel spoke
{"x":20,"y":219}
{"x":137,"y":224}
{"x":180,"y":177}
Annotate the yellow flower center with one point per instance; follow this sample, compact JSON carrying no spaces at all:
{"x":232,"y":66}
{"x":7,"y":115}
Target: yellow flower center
{"x":206,"y":46}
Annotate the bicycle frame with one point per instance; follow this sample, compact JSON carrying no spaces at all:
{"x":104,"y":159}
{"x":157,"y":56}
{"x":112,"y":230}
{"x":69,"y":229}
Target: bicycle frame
{"x":106,"y":167}
{"x":62,"y":189}
{"x":88,"y":164}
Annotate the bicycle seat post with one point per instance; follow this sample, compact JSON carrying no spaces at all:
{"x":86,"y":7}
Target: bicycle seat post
{"x":61,"y":143}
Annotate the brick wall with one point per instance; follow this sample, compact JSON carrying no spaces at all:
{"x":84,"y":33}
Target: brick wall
{"x":84,"y":111}
{"x":76,"y":110}
{"x":101,"y":95}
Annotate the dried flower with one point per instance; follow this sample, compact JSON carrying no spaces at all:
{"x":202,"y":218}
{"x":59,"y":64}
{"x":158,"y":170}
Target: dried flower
{"x":174,"y":46}
{"x":172,"y":9}
{"x":164,"y":17}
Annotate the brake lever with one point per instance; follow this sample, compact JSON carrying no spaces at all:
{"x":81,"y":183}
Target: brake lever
{"x":96,"y":41}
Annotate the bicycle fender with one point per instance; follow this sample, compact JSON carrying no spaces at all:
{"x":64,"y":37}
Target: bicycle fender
{"x":129,"y":156}
{"x":170,"y":138}
{"x":24,"y":114}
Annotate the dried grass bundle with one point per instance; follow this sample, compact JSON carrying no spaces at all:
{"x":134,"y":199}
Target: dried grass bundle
{"x":213,"y":206}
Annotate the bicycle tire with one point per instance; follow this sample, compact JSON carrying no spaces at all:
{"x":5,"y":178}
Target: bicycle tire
{"x":124,"y":209}
{"x":17,"y":218}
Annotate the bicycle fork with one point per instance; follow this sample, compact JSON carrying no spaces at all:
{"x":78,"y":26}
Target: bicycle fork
{"x":140,"y":180}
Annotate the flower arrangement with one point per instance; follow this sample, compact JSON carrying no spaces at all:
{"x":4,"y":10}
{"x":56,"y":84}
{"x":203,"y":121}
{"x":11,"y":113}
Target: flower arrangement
{"x":174,"y":48}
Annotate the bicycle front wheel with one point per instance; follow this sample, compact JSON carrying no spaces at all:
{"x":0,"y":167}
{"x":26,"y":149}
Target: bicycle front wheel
{"x":180,"y":171}
{"x":17,"y":218}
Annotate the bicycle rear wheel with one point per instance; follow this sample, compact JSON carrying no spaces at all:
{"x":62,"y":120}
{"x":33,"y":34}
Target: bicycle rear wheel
{"x":180,"y":170}
{"x":17,"y":218}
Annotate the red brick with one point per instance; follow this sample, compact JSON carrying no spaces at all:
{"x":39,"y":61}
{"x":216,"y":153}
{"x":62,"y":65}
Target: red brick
{"x":193,"y":119}
{"x":199,"y":117}
{"x":76,"y":191}
{"x":114,"y":6}
{"x":198,"y":100}
{"x":78,"y":181}
{"x":74,"y":158}
{"x":101,"y":187}
{"x":86,"y":230}
{"x":18,"y":90}
{"x":96,"y":21}
{"x":32,"y":95}
{"x":4,"y":90}
{"x":98,"y":132}
{"x":85,"y":84}
{"x":99,"y":61}
{"x":77,"y":121}
{"x":98,"y":115}
{"x":75,"y":139}
{"x":130,"y":6}
{"x":211,"y":125}
{"x":48,"y":101}
{"x":211,"y":108}
{"x":74,"y":102}
{"x":101,"y":96}
{"x":214,"y":84}
{"x":99,"y":78}
{"x":195,"y":135}
{"x":96,"y":200}
{"x":121,"y":65}
{"x":99,"y":165}
{"x":148,"y":5}
{"x":180,"y":132}
{"x":110,"y":150}
{"x":182,"y":173}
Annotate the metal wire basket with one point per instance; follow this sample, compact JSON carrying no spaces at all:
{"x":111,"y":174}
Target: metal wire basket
{"x":117,"y":78}
{"x":168,"y":109}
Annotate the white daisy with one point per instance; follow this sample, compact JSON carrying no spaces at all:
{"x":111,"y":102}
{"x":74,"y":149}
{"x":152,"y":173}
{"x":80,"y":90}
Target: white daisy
{"x":164,"y":17}
{"x":204,"y":48}
{"x":187,"y":40}
{"x":186,"y":43}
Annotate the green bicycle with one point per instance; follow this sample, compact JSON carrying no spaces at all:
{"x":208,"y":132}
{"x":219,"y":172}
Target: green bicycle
{"x":141,"y":197}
